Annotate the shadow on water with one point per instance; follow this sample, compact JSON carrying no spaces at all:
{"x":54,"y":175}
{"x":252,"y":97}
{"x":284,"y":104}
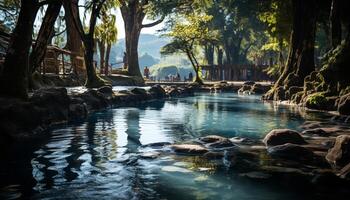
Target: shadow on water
{"x":99,"y":157}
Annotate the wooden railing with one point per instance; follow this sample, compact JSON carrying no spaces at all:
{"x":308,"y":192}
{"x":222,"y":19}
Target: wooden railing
{"x":61,"y":61}
{"x":239,"y":72}
{"x":56,"y":61}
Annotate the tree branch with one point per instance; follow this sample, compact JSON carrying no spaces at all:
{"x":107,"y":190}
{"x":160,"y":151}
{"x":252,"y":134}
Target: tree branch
{"x":42,"y":3}
{"x":153,"y":23}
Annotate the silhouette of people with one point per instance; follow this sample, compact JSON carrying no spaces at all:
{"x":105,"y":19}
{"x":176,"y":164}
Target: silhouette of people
{"x":125,"y":61}
{"x":190,"y":76}
{"x":178,"y":77}
{"x":146,"y":72}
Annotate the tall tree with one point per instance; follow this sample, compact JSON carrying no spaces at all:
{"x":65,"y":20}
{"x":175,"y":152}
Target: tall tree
{"x":14,"y":75}
{"x":188,"y":33}
{"x":300,"y":61}
{"x":74,"y":43}
{"x":45,"y":34}
{"x":134,"y":12}
{"x":106,"y":34}
{"x":87,"y":37}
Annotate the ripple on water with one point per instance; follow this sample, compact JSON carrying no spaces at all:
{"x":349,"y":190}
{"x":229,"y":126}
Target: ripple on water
{"x":100,"y":158}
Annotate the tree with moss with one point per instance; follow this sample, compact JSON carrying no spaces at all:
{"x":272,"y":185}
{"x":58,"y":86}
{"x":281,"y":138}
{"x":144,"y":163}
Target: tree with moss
{"x":188,"y":33}
{"x":300,"y":62}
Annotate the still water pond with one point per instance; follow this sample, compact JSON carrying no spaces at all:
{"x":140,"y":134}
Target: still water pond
{"x":98,"y":158}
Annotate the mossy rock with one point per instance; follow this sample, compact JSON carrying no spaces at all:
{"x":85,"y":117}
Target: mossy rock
{"x":320,"y":101}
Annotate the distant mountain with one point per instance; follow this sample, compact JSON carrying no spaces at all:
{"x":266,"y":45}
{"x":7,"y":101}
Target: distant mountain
{"x":148,"y":44}
{"x":147,"y":60}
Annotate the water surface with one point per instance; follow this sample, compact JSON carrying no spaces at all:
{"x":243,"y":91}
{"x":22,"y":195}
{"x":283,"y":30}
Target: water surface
{"x":100,"y":158}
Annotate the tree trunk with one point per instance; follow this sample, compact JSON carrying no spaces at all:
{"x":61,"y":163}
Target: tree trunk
{"x":300,"y":61}
{"x":133,"y":16}
{"x":46,"y":31}
{"x":108,"y":52}
{"x":194,"y":65}
{"x":102,"y":49}
{"x":132,"y":34}
{"x":336,"y":30}
{"x":74,"y":43}
{"x":209,"y":53}
{"x":14,"y":75}
{"x":92,"y":80}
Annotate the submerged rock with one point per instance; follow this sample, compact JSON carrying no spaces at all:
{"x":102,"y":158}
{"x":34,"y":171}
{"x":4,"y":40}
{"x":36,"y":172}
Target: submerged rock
{"x":216,"y":142}
{"x":339,"y":155}
{"x":315,"y":131}
{"x":189,"y":149}
{"x":283,"y":136}
{"x":211,"y":139}
{"x":291,"y":151}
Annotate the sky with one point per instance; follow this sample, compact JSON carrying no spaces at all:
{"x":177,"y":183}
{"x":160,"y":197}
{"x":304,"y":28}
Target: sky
{"x":121,"y":30}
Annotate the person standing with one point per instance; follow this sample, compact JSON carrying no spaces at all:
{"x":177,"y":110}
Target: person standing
{"x":146,"y":72}
{"x":190,"y":76}
{"x":125,"y":61}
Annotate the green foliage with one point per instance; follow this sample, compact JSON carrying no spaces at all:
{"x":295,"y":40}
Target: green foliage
{"x":9,"y":10}
{"x":187,"y":32}
{"x":316,"y":100}
{"x":107,"y":31}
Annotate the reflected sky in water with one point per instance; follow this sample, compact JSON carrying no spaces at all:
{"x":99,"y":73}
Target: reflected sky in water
{"x":99,"y":158}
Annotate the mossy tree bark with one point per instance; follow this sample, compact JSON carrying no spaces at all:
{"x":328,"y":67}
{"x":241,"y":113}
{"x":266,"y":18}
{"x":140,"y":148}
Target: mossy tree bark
{"x":300,"y":61}
{"x":14,"y":75}
{"x":335,"y":70}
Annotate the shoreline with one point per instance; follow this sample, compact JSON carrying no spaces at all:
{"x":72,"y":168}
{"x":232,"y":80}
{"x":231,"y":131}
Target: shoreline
{"x":302,"y":159}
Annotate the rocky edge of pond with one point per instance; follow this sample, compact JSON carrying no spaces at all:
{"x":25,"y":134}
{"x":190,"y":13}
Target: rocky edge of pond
{"x":22,"y":120}
{"x":318,"y":155}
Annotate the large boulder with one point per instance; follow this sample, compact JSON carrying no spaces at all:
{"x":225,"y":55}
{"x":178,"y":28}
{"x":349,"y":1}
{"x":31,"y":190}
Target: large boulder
{"x":259,"y":89}
{"x":339,"y":155}
{"x":157,"y":91}
{"x":107,"y":90}
{"x":344,"y":104}
{"x":94,"y":100}
{"x":283,"y":136}
{"x":54,"y":103}
{"x":290,"y":151}
{"x":139,"y":91}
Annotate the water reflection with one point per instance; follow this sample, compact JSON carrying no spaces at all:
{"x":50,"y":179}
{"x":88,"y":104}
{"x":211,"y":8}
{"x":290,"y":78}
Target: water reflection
{"x":100,"y":157}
